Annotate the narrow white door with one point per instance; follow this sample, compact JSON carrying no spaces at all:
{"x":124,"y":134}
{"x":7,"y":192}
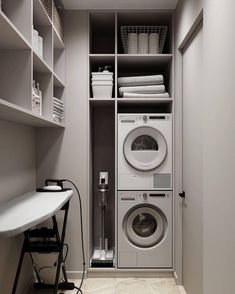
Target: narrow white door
{"x":192,"y":162}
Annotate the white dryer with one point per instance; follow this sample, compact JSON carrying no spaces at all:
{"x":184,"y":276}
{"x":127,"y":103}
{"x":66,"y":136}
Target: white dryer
{"x":145,"y":229}
{"x":145,"y":152}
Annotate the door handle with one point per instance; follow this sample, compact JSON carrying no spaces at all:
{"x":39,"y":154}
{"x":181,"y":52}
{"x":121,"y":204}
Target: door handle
{"x":182,"y":195}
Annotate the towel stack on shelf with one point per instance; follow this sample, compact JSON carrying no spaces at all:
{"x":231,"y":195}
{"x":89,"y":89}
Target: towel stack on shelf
{"x":142,"y":87}
{"x":58,"y":110}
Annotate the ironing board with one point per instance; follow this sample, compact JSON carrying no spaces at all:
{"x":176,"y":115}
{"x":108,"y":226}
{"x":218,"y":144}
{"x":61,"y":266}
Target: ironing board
{"x":25,"y":212}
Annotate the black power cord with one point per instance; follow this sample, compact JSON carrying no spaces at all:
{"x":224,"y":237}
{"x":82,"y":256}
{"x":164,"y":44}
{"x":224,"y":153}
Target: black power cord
{"x":82,"y":235}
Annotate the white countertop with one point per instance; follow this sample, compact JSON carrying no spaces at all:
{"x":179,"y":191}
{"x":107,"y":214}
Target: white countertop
{"x":30,"y":209}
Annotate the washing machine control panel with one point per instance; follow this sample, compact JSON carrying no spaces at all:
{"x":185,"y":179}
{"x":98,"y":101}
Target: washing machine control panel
{"x":140,"y":196}
{"x":132,"y":118}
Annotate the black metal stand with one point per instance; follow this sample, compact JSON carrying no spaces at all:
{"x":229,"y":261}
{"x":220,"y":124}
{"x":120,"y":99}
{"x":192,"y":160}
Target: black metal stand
{"x":46,"y":240}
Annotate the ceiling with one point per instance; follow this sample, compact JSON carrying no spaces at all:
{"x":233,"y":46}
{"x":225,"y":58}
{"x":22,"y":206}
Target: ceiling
{"x":119,"y":4}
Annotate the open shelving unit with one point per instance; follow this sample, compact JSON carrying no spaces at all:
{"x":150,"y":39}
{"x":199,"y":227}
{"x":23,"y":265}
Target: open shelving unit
{"x":106,"y":48}
{"x":20,"y":64}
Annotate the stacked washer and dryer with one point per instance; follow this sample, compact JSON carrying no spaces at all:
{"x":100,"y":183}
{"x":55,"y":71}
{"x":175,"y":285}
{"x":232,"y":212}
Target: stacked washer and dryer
{"x":145,"y":199}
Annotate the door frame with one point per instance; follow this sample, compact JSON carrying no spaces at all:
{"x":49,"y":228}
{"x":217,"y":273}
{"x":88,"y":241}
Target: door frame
{"x":178,"y":180}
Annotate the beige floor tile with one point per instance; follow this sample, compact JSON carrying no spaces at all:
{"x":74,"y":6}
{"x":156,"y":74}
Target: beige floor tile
{"x":134,"y":285}
{"x":125,"y":286}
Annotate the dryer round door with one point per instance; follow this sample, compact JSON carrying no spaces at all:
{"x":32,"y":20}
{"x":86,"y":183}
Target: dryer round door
{"x":145,"y":148}
{"x":144,"y":226}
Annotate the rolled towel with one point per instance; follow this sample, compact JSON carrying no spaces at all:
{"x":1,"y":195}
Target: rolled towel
{"x":157,"y":89}
{"x":141,"y":81}
{"x":133,"y":95}
{"x":153,"y":43}
{"x":143,"y":44}
{"x":132,"y":43}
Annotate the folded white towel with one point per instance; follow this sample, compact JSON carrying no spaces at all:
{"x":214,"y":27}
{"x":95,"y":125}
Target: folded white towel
{"x":158,"y":89}
{"x":58,"y":101}
{"x":133,"y":95}
{"x":57,"y":119}
{"x":58,"y":114}
{"x":141,"y":81}
{"x":59,"y":108}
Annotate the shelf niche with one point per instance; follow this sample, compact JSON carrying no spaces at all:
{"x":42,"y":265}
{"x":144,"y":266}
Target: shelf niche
{"x":14,"y":87}
{"x":45,"y":85}
{"x":134,"y":65}
{"x":19,"y":13}
{"x":103,"y":159}
{"x":102,"y":32}
{"x":146,"y":18}
{"x":101,"y":61}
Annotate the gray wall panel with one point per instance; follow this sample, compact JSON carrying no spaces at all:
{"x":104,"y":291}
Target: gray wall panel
{"x":17,"y":176}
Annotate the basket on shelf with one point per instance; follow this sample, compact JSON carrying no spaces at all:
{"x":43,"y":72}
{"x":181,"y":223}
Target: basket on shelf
{"x":57,"y":21}
{"x":161,"y":30}
{"x":48,"y":7}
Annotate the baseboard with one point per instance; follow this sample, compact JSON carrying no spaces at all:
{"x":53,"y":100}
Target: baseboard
{"x":75,"y":275}
{"x":102,"y":273}
{"x":113,"y":273}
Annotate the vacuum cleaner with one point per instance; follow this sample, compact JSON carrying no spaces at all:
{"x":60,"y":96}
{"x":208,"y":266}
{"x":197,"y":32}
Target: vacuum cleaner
{"x":102,"y":256}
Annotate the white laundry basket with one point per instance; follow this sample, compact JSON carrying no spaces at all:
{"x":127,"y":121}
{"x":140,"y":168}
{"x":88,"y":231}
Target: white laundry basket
{"x":102,"y":84}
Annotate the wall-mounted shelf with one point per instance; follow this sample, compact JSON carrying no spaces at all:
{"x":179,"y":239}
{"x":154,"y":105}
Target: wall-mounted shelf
{"x":10,"y":37}
{"x":101,"y":102}
{"x":145,"y":101}
{"x":58,"y":82}
{"x":58,"y":42}
{"x":39,"y":65}
{"x":20,"y":63}
{"x":17,"y":114}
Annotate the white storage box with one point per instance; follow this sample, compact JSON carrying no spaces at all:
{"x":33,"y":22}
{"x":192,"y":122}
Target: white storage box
{"x":102,"y":76}
{"x":102,"y":89}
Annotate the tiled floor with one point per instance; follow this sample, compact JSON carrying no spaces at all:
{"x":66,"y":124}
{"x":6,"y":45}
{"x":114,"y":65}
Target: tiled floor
{"x":128,"y":286}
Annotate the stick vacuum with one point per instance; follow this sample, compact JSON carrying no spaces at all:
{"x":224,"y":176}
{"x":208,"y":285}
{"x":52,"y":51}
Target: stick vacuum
{"x":102,"y":256}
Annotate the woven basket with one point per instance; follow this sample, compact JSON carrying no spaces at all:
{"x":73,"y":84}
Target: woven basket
{"x":57,"y":21}
{"x":48,"y":7}
{"x":161,"y":30}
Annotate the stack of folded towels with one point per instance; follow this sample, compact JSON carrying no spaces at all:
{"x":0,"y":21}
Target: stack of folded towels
{"x":58,"y":110}
{"x":142,"y":87}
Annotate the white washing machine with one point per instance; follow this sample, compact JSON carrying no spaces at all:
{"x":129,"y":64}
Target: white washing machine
{"x":145,"y":152}
{"x":145,"y":229}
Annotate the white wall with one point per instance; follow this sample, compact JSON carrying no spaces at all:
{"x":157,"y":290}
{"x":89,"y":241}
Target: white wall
{"x":219,"y":147}
{"x":64,"y":153}
{"x":185,"y":14}
{"x":17,"y":176}
{"x":219,"y":136}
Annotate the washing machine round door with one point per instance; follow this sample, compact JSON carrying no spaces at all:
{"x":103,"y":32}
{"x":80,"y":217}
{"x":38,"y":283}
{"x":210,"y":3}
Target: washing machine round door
{"x":145,"y":226}
{"x":145,"y":148}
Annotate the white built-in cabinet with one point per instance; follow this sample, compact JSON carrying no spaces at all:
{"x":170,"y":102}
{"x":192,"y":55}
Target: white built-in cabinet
{"x":105,"y":48}
{"x":20,"y":64}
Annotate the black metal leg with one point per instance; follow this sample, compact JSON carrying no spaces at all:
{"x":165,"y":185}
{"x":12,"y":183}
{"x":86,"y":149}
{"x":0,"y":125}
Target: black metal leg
{"x":58,"y":238}
{"x":18,"y":270}
{"x":60,"y":258}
